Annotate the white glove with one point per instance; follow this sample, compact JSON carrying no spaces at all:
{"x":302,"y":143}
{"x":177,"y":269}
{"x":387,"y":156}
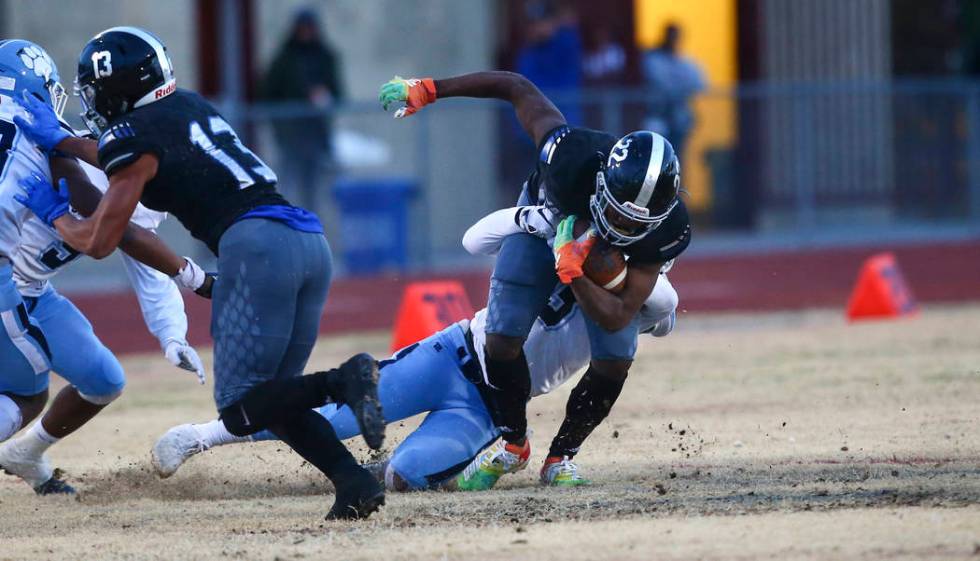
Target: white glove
{"x":183,"y":356}
{"x":191,"y":276}
{"x":537,"y":220}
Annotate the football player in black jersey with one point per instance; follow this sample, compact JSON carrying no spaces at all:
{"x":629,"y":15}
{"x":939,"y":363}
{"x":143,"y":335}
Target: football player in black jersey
{"x":170,"y":149}
{"x":628,"y":188}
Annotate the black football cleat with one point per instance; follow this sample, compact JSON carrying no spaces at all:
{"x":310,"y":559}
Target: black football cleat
{"x":360,"y":393}
{"x":358,"y":499}
{"x":54,"y":486}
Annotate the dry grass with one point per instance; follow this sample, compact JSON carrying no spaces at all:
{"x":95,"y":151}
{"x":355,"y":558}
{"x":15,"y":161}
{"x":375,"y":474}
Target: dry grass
{"x":738,"y":437}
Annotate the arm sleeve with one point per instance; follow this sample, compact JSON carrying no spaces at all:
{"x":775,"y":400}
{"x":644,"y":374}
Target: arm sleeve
{"x":485,"y":237}
{"x":122,"y":144}
{"x":160,"y":301}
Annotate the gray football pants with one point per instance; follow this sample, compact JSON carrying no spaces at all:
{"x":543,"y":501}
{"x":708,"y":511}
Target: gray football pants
{"x":266,"y":304}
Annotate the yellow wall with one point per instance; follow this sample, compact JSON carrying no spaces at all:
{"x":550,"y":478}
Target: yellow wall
{"x":708,"y":28}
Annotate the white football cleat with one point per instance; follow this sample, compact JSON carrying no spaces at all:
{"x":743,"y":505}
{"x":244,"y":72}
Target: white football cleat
{"x":16,"y":460}
{"x":175,"y":447}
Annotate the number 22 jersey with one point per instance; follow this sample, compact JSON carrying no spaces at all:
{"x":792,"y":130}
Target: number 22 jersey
{"x":206,"y":177}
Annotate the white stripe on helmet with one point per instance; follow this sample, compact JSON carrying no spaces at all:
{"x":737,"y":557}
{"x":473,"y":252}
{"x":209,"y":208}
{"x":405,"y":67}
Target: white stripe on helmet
{"x":657,"y":149}
{"x":169,"y":84}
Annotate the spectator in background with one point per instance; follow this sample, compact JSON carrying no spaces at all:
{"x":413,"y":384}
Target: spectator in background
{"x":305,"y":71}
{"x":674,"y":81}
{"x":552,"y":53}
{"x":605,"y":63}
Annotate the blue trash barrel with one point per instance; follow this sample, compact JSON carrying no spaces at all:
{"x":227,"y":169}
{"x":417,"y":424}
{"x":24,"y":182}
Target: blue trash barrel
{"x":374,"y":223}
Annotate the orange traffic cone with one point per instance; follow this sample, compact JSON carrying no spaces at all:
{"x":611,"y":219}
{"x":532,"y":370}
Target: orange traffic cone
{"x":881,"y":290}
{"x":428,"y":307}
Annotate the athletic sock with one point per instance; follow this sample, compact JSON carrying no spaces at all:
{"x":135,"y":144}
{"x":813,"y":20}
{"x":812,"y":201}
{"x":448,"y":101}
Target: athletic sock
{"x":214,"y":433}
{"x":512,"y":388}
{"x":313,"y":438}
{"x":589,"y":403}
{"x":36,"y":440}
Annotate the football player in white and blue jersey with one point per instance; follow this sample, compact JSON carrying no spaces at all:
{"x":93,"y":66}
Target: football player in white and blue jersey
{"x":42,"y":329}
{"x":444,"y":376}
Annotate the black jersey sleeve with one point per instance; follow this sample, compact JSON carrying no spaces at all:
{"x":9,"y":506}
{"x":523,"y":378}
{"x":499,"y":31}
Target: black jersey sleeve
{"x":666,"y":242}
{"x":124,"y":142}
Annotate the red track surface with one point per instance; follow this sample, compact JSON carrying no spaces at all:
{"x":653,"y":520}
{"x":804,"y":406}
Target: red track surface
{"x":946,"y":272}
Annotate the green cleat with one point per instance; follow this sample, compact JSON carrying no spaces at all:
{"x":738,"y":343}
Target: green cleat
{"x":561,"y":472}
{"x":488,"y":467}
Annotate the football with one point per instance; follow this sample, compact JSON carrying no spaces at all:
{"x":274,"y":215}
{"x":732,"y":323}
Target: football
{"x":605,"y":265}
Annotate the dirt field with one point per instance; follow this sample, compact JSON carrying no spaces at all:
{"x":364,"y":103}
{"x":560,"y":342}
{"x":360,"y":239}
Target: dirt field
{"x":786,"y":436}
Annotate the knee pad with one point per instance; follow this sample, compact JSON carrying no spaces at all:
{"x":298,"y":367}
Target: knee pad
{"x":663,"y":327}
{"x":11,"y":418}
{"x":102,"y":399}
{"x":659,"y":313}
{"x":103,"y":382}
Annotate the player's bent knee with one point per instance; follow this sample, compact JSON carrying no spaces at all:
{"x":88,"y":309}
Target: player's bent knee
{"x":234,"y":419}
{"x":405,"y":472}
{"x":106,"y":387}
{"x":102,"y":399}
{"x":11,"y":419}
{"x":663,"y":327}
{"x":502,"y":347}
{"x":105,"y":382}
{"x":616,"y":370}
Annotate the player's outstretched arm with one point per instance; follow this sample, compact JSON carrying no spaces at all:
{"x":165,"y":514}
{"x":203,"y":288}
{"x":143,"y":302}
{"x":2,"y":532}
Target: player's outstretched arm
{"x":100,"y":234}
{"x":163,"y":313}
{"x":84,"y":149}
{"x":486,"y":236}
{"x":142,"y":244}
{"x":535,"y":112}
{"x":137,"y":242}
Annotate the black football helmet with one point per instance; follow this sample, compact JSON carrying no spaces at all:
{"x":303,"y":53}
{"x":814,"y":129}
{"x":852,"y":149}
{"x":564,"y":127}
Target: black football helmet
{"x":639,"y":182}
{"x":121,"y":69}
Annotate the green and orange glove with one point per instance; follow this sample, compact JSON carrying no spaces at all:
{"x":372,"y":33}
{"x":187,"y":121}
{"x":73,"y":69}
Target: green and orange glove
{"x":415,"y":93}
{"x":571,"y":252}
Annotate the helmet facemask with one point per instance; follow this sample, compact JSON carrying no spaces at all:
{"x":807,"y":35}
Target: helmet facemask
{"x":602,"y":203}
{"x":95,"y":121}
{"x":59,"y":96}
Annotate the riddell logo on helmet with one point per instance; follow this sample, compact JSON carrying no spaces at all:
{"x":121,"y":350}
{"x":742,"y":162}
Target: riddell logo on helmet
{"x":165,"y":91}
{"x":636,"y":209}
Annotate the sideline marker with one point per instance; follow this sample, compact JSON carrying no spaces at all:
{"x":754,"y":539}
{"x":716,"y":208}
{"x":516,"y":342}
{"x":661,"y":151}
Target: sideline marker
{"x":881,"y":291}
{"x":428,"y":307}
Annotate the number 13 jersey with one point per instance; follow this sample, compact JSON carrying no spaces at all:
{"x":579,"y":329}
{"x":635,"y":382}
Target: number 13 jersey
{"x":206,"y":177}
